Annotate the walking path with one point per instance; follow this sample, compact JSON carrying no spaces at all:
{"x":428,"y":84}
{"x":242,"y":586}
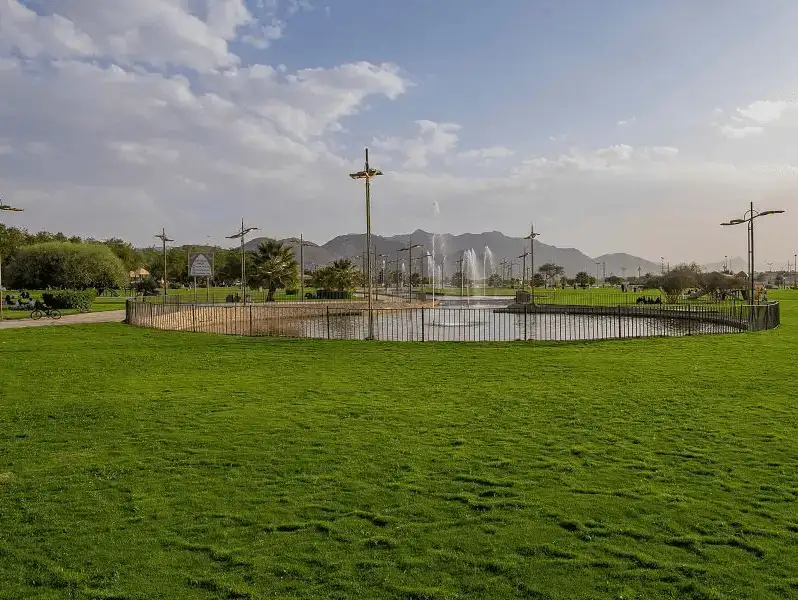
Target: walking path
{"x":108,"y":316}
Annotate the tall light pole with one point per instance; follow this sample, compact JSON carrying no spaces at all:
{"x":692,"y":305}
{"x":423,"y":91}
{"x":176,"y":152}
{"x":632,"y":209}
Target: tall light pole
{"x":367,"y":173}
{"x":8,"y":208}
{"x":240,"y":235}
{"x":597,"y":271}
{"x":409,"y":250}
{"x":748,"y":217}
{"x":523,"y":268}
{"x":302,"y":244}
{"x":162,"y":236}
{"x":662,"y":266}
{"x":531,"y":237}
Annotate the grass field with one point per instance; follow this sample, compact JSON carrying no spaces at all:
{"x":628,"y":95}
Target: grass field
{"x":149,"y":464}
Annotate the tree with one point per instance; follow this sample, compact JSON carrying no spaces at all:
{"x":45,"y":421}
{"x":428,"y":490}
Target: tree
{"x":495,"y":280}
{"x":66,"y":266}
{"x":538,"y":280}
{"x":340,"y":275}
{"x":550,"y":271}
{"x":583,"y":279}
{"x":614,"y":280}
{"x":678,"y":279}
{"x":129,"y":256}
{"x":274,"y":266}
{"x":460,"y":279}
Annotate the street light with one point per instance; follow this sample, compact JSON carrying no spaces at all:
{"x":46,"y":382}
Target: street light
{"x":162,"y":236}
{"x":523,"y":268}
{"x":748,"y":217}
{"x":240,"y":235}
{"x":531,"y":237}
{"x":597,"y":272}
{"x":409,"y":251}
{"x":8,"y":208}
{"x":367,"y":173}
{"x":302,"y":244}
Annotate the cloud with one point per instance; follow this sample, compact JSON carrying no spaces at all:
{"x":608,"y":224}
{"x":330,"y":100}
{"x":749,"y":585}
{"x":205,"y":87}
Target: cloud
{"x":754,"y":119}
{"x":738,"y":133}
{"x":434,"y":140}
{"x":627,"y":121}
{"x":120,"y":117}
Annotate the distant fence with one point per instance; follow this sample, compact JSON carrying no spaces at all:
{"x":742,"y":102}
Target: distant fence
{"x":350,"y":320}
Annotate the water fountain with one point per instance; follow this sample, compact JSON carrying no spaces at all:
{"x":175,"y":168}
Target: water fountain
{"x":487,"y":269}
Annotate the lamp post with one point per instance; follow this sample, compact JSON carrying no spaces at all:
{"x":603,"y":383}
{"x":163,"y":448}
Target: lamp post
{"x":523,"y":268}
{"x":531,"y":237}
{"x":240,"y":235}
{"x":8,"y":208}
{"x":302,"y":244}
{"x":393,"y":262}
{"x":409,"y":250}
{"x":367,"y":173}
{"x":597,"y":272}
{"x":748,"y":217}
{"x":162,"y":236}
{"x":459,"y":264}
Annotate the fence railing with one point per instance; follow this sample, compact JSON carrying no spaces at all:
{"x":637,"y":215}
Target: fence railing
{"x":351,"y":321}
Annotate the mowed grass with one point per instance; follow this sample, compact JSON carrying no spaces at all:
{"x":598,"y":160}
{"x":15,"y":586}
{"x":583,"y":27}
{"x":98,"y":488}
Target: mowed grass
{"x":147,"y":464}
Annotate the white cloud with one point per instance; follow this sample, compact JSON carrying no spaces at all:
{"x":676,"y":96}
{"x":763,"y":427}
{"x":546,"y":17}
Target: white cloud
{"x":119,"y":117}
{"x":627,"y":121}
{"x":433,"y":140}
{"x":764,"y":111}
{"x":737,"y":133}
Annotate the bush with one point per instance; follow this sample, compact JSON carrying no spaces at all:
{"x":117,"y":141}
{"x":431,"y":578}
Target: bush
{"x":79,"y":300}
{"x":146,"y":287}
{"x":64,"y":265}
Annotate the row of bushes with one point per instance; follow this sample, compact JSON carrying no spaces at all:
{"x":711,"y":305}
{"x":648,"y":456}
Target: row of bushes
{"x":80,"y":300}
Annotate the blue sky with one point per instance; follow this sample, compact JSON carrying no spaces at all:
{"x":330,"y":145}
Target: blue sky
{"x":618,"y":125}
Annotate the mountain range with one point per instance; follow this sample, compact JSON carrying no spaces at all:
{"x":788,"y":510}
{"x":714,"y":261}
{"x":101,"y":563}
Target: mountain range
{"x":450,"y":248}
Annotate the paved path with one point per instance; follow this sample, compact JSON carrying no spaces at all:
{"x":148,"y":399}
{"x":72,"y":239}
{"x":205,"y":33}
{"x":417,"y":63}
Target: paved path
{"x":108,"y":316}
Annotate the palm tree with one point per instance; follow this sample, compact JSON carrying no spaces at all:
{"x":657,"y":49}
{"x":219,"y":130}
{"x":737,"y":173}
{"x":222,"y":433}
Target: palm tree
{"x":341,"y":275}
{"x":274,"y":267}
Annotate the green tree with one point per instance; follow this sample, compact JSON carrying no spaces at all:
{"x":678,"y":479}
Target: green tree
{"x":495,"y":280}
{"x":274,"y":266}
{"x":340,"y":275}
{"x":66,"y":266}
{"x":130,"y":257}
{"x":550,"y":271}
{"x":583,"y":279}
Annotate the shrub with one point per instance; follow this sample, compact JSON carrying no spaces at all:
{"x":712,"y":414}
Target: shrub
{"x":79,"y":300}
{"x":64,"y":265}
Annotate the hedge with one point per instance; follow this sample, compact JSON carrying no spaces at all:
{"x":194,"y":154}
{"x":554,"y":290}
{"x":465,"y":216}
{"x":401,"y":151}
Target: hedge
{"x":77,"y":299}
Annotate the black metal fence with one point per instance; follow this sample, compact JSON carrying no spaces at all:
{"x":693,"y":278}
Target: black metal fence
{"x":350,"y":320}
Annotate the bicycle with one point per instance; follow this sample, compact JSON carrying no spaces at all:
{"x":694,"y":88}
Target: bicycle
{"x":38,"y":313}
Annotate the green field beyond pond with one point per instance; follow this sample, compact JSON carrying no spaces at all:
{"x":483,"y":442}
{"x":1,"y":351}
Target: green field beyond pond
{"x":150,"y":464}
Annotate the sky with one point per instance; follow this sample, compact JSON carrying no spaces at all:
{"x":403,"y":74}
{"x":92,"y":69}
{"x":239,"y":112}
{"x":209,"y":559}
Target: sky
{"x":614,"y":126}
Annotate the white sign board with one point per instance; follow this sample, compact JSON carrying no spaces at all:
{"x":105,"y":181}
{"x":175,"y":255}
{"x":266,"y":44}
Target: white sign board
{"x":200,"y":266}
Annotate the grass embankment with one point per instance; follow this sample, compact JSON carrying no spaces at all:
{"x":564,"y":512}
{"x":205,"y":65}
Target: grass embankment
{"x":149,"y":464}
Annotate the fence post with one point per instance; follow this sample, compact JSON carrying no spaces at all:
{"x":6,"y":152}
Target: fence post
{"x":526,"y":336}
{"x":328,"y":322}
{"x":194,"y":318}
{"x":250,"y":319}
{"x":422,"y":324}
{"x":620,"y":327}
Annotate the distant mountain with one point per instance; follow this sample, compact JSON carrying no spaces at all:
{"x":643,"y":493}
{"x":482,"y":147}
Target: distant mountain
{"x":450,"y":248}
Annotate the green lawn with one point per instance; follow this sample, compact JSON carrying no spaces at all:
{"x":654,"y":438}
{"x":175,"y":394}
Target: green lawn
{"x":150,"y":464}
